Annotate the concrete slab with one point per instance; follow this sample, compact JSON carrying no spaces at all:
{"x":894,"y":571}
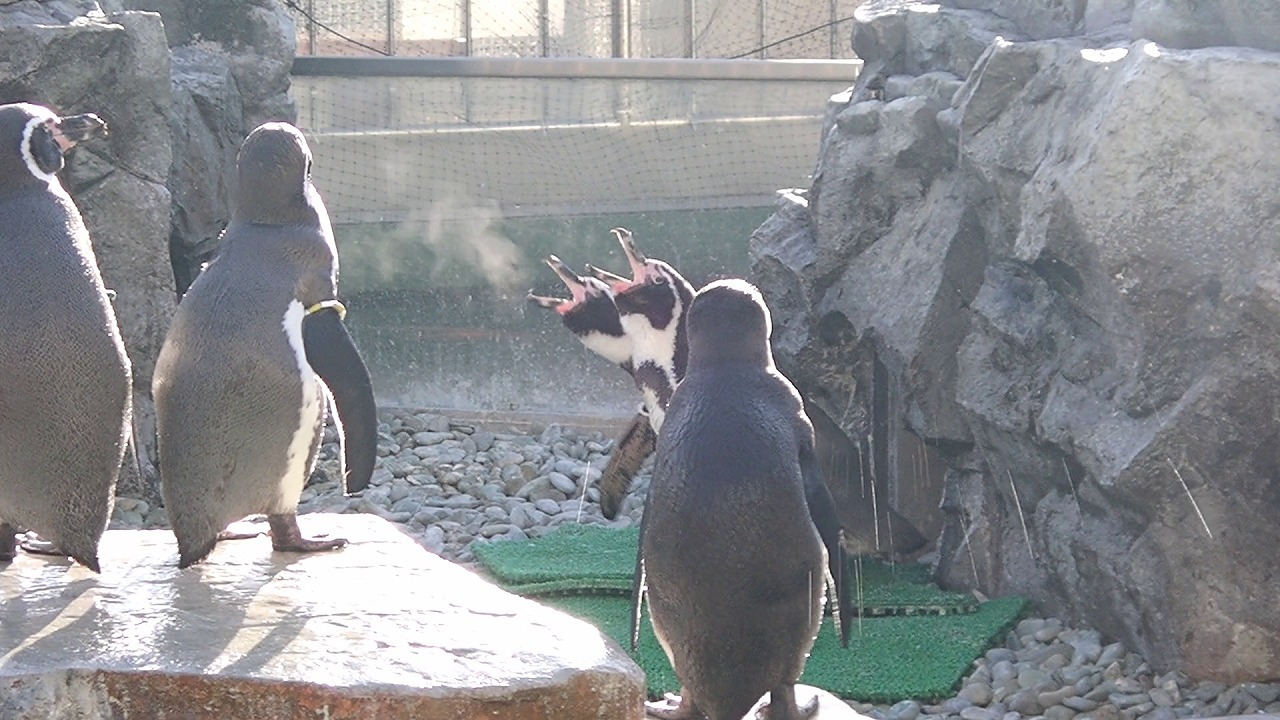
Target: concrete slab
{"x":378,"y":630}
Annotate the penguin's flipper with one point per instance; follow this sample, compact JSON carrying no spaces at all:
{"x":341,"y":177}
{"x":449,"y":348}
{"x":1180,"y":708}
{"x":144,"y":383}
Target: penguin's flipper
{"x":636,"y":443}
{"x":822,"y":510}
{"x":334,"y":357}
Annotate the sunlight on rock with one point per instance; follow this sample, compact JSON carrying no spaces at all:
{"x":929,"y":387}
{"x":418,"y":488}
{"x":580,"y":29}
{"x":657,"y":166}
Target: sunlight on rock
{"x":380,"y":622}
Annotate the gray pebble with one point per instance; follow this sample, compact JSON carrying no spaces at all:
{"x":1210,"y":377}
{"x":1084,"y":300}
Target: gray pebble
{"x":561,"y":482}
{"x":976,"y":693}
{"x":1111,"y":653}
{"x":496,"y":529}
{"x":550,"y":507}
{"x":431,"y":438}
{"x":904,"y":710}
{"x":1003,"y":670}
{"x":1025,"y":702}
{"x":1265,"y":693}
{"x":977,"y":713}
{"x":1079,"y":704}
{"x":1164,"y":698}
{"x":1059,"y":712}
{"x":1032,"y":677}
{"x":1055,"y":697}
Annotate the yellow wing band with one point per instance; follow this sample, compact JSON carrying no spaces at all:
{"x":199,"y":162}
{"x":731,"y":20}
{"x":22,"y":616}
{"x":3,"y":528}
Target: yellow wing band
{"x":329,"y":304}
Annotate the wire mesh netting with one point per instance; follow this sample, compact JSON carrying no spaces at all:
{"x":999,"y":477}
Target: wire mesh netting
{"x":576,"y":28}
{"x":448,"y":188}
{"x":390,"y":146}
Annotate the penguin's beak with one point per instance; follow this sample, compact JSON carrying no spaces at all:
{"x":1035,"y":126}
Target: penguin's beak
{"x":635,"y":260}
{"x":78,"y":128}
{"x":576,"y":283}
{"x":606,"y":276}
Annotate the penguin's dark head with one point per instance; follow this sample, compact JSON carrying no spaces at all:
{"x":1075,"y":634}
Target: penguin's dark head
{"x":589,"y":312}
{"x":729,"y":322}
{"x":656,"y":290}
{"x":33,"y":139}
{"x":274,"y":175}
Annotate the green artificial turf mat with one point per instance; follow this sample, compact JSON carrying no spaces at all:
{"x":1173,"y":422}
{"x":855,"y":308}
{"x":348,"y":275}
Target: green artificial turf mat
{"x":586,"y":571}
{"x":588,"y":556}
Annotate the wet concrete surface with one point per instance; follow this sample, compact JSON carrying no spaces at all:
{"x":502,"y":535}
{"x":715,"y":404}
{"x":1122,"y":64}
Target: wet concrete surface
{"x":381,"y":629}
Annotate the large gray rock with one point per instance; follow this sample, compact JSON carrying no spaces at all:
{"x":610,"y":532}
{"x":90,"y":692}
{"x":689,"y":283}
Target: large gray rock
{"x":1067,"y":276}
{"x":1207,"y":23}
{"x":230,"y":72}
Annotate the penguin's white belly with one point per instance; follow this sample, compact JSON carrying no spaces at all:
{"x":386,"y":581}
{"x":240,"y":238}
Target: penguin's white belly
{"x":611,"y":347}
{"x":297,"y":461}
{"x":657,"y":413}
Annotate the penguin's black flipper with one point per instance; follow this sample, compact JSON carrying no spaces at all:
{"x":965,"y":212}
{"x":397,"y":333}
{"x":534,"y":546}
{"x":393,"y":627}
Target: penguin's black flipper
{"x":822,"y":511}
{"x":629,"y":452}
{"x":334,"y":357}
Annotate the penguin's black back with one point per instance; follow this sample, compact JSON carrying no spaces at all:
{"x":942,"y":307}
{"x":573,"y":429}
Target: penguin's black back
{"x":734,"y":564}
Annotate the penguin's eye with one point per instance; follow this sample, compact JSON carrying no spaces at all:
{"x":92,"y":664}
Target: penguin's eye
{"x":660,"y":280}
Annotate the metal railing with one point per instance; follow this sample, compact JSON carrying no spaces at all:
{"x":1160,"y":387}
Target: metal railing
{"x":580,"y":68}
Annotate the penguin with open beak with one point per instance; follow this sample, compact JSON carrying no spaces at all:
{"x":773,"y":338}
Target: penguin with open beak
{"x":651,"y":307}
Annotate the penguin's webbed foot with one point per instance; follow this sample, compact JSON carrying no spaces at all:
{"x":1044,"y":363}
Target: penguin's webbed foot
{"x":286,"y":536}
{"x":34,"y":545}
{"x":782,"y":705}
{"x":671,"y":707}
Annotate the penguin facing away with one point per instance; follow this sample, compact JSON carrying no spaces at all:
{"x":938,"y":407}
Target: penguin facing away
{"x":740,"y":536}
{"x":256,"y":345}
{"x":63,"y":368}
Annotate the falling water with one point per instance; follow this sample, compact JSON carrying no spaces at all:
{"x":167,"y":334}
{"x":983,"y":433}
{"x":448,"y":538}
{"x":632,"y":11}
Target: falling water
{"x":1190,"y":497}
{"x":1072,"y":483}
{"x":875,"y":510}
{"x":1022,"y":518}
{"x":973,"y":563}
{"x":586,"y":480}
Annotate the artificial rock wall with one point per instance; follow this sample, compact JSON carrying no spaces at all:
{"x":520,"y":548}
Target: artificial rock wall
{"x":1052,"y":227}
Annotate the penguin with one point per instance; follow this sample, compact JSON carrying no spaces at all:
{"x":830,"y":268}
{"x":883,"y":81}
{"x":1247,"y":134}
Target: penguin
{"x":651,"y":308}
{"x":590,"y":314}
{"x":256,"y":346}
{"x":740,"y":537}
{"x":64,"y":372}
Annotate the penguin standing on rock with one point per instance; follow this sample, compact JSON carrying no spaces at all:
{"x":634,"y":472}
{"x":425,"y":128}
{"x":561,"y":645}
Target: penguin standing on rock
{"x":256,"y":345}
{"x":65,"y":406}
{"x":740,"y":535}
